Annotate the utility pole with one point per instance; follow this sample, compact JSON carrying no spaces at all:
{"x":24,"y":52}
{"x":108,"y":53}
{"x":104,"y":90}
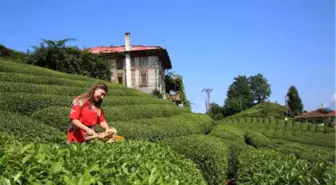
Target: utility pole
{"x":207,"y":104}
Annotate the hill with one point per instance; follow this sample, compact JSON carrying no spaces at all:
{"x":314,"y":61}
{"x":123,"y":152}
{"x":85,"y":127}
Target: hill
{"x":35,"y":105}
{"x":265,"y":109}
{"x":165,"y":144}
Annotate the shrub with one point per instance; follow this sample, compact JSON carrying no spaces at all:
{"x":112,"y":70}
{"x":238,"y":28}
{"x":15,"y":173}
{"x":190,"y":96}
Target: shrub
{"x":257,"y":140}
{"x":27,"y":129}
{"x":124,"y":113}
{"x":11,"y":67}
{"x":29,"y":83}
{"x":248,"y":120}
{"x":26,"y":103}
{"x":148,"y":129}
{"x":260,"y":120}
{"x":209,"y":153}
{"x":227,"y":132}
{"x":133,"y":162}
{"x":271,"y":167}
{"x":235,"y":142}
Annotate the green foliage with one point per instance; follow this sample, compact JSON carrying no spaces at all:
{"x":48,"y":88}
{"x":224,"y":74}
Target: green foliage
{"x":133,"y":162}
{"x":209,"y":153}
{"x":133,"y":127}
{"x":56,"y":55}
{"x":215,"y":111}
{"x":260,"y":88}
{"x":174,"y":82}
{"x":10,"y":54}
{"x":245,"y":92}
{"x":157,"y":93}
{"x":239,"y":96}
{"x":270,"y":167}
{"x":265,"y":109}
{"x":294,"y":101}
{"x":72,"y":90}
{"x":26,"y":128}
{"x":257,"y":140}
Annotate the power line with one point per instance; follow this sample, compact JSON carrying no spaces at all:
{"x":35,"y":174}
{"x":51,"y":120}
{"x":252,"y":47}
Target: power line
{"x":207,"y":102}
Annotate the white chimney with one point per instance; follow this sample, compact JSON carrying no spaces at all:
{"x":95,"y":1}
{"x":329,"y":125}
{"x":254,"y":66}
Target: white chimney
{"x":128,"y":60}
{"x":127,"y":41}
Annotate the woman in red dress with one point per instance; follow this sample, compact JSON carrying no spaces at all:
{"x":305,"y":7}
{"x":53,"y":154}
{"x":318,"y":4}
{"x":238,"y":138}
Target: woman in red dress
{"x":86,"y":113}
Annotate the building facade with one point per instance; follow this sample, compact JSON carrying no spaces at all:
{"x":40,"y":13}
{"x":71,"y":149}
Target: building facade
{"x":137,"y":66}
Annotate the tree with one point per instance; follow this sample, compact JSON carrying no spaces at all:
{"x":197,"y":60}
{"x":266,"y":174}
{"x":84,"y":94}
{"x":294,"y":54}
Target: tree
{"x":174,"y":82}
{"x":260,"y":88}
{"x":215,"y":111}
{"x":58,"y":56}
{"x":294,"y":102}
{"x":239,"y":96}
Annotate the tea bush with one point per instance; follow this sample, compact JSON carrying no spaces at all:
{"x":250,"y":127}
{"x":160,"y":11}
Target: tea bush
{"x":27,"y":103}
{"x":27,"y":129}
{"x":11,"y":67}
{"x":48,"y":84}
{"x":257,"y":140}
{"x":133,"y":162}
{"x":209,"y":153}
{"x":270,"y":167}
{"x":149,"y":129}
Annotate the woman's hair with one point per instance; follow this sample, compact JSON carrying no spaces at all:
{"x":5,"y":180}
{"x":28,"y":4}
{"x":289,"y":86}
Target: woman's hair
{"x":89,"y":95}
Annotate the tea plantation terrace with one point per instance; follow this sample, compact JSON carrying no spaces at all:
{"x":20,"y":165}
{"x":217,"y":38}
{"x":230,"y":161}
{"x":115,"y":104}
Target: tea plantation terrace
{"x":165,"y":144}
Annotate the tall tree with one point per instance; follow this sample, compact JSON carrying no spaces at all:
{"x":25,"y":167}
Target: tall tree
{"x":215,"y":111}
{"x":239,"y":96}
{"x":294,"y":102}
{"x":260,"y":88}
{"x":57,"y":55}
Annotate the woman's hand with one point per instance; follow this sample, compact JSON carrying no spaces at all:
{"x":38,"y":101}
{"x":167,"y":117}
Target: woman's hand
{"x":91,"y":132}
{"x":109,"y":130}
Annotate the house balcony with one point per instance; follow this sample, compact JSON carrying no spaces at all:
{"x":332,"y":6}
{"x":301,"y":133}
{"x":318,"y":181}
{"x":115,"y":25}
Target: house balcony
{"x":176,"y":98}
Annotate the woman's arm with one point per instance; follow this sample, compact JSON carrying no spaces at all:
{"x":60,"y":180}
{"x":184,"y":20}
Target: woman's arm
{"x":104,"y":125}
{"x":80,"y":125}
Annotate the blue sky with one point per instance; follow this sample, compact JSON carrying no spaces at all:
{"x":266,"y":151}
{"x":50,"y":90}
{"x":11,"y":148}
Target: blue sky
{"x":209,"y":42}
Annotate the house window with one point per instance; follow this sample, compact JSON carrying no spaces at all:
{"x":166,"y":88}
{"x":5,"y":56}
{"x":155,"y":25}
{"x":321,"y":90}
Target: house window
{"x":143,"y":78}
{"x":143,"y":61}
{"x":133,"y":62}
{"x":133,"y":77}
{"x":120,"y":64}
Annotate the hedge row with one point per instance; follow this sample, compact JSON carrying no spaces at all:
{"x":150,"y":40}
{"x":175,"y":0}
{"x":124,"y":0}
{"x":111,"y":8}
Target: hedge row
{"x":11,"y":67}
{"x":257,"y":140}
{"x":60,"y":115}
{"x":27,"y":129}
{"x":234,"y":138}
{"x":31,"y":83}
{"x":159,"y":128}
{"x":27,"y":103}
{"x":270,"y":167}
{"x":149,"y":129}
{"x":133,"y":162}
{"x":209,"y":153}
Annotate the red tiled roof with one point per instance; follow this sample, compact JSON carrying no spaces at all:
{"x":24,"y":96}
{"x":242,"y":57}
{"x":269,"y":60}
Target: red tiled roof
{"x":117,"y":49}
{"x":318,"y":113}
{"x":136,"y":50}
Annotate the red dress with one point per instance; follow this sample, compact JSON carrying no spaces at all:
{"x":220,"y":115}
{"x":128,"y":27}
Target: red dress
{"x":87,"y":116}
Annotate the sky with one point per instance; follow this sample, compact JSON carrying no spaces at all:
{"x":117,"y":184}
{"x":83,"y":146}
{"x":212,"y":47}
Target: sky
{"x":209,"y":42}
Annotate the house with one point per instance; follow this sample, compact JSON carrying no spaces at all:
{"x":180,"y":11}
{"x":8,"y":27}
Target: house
{"x":319,"y":115}
{"x":137,"y":66}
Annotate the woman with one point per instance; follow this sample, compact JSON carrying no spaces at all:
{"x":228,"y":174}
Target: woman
{"x":86,"y":113}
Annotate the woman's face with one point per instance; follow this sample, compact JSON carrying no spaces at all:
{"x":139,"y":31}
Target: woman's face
{"x":99,"y":95}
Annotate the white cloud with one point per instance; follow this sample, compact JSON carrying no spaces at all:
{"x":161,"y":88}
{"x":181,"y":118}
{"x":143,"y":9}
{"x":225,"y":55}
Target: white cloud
{"x":332,"y":102}
{"x":333,"y":98}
